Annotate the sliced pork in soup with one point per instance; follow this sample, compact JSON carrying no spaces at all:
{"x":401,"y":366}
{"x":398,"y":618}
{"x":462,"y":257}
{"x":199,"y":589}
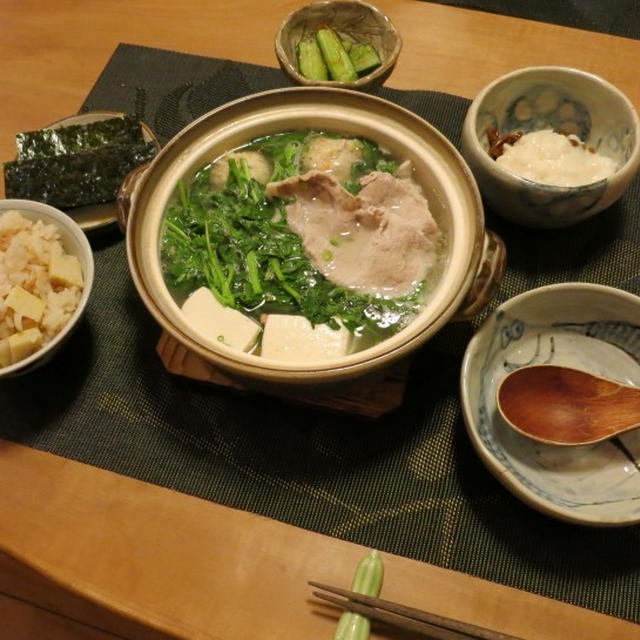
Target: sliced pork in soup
{"x":379,"y":242}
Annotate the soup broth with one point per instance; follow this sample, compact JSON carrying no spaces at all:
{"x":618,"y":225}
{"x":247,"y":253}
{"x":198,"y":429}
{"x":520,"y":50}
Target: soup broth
{"x":330,"y":230}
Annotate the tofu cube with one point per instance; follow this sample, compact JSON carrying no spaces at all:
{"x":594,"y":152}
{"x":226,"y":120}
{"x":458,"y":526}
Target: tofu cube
{"x":65,"y":270}
{"x":215,"y":324}
{"x":23,"y":344}
{"x":5,"y":353}
{"x":25,"y":304}
{"x":293,"y":339}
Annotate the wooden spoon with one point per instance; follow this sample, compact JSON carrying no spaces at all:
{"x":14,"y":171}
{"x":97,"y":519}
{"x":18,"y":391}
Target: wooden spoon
{"x":560,"y":405}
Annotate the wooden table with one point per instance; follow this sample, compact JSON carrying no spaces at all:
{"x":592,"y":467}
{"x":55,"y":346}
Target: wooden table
{"x":85,"y":553}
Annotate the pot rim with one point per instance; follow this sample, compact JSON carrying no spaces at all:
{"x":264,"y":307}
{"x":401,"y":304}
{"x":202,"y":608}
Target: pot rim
{"x":350,"y":366}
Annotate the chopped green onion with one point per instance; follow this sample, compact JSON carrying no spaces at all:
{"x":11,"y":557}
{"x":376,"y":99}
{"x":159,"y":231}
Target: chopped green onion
{"x":327,"y":255}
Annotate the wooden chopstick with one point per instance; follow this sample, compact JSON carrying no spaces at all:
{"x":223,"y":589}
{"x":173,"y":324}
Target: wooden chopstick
{"x":431,"y":624}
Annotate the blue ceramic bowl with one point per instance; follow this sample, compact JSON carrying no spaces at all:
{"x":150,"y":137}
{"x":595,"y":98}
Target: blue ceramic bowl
{"x":562,"y":99}
{"x":585,"y":326}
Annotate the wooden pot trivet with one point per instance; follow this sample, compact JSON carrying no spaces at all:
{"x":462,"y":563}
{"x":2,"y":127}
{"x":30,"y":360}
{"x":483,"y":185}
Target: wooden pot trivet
{"x":370,"y":397}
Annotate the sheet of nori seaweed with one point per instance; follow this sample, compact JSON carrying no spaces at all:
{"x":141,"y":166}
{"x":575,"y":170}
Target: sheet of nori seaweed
{"x":76,"y":179}
{"x":77,"y":138}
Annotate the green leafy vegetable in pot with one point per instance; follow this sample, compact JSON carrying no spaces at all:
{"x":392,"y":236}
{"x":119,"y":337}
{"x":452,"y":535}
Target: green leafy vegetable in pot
{"x":299,"y":245}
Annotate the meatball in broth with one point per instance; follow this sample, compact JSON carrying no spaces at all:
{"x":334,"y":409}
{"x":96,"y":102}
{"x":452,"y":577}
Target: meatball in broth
{"x":332,"y":155}
{"x":258,"y":165}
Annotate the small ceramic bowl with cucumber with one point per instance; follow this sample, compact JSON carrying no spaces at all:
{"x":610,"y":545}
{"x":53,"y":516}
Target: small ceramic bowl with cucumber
{"x":347,"y":44}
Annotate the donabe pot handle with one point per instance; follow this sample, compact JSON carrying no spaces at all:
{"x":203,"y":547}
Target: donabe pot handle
{"x":488,"y":277}
{"x":125,"y":193}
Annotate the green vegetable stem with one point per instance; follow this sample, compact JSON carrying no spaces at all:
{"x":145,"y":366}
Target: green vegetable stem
{"x":367,"y":581}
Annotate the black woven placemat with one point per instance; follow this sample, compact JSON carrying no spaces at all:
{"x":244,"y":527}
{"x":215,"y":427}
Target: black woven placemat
{"x":408,"y":484}
{"x":616,"y":17}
